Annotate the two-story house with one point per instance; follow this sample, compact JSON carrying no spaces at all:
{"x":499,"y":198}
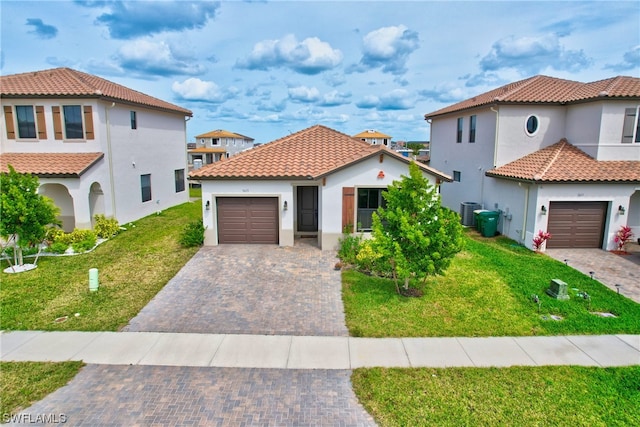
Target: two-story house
{"x":97,"y":147}
{"x":548,"y":154}
{"x":218,"y":144}
{"x":374,"y":137}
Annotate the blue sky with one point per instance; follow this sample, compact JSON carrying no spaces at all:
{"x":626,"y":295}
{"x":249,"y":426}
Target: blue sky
{"x":268,"y":68}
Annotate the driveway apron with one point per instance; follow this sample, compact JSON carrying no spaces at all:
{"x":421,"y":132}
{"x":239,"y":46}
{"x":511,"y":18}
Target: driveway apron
{"x":250,"y":289}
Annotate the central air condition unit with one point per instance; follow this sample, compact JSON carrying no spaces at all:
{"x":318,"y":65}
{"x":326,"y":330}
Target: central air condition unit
{"x":466,"y":213}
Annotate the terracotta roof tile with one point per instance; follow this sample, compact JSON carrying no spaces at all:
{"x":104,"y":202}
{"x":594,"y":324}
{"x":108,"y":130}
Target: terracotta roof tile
{"x":221,"y":133}
{"x":371,"y":134}
{"x":65,"y":82}
{"x":563,"y":162}
{"x":549,"y":90}
{"x":313,"y":152}
{"x":63,"y":165}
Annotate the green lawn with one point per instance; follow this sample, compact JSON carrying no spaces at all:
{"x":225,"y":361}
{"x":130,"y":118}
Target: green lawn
{"x":487,"y":291}
{"x":23,"y":383}
{"x":516,"y":396}
{"x":133,"y":266}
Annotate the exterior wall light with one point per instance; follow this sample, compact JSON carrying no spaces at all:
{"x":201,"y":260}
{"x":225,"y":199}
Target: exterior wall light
{"x":285,"y":206}
{"x":543,"y":210}
{"x":207,"y":206}
{"x":621,"y":210}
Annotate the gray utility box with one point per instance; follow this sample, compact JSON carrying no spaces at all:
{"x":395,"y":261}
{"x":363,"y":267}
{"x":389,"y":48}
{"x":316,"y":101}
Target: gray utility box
{"x":466,"y":213}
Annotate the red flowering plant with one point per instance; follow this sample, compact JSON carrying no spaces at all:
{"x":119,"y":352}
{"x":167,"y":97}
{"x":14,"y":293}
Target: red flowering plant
{"x":539,"y":240}
{"x":623,"y":236}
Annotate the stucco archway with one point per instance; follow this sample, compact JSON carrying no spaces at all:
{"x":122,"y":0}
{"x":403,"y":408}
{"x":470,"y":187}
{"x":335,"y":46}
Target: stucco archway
{"x":633,"y":220}
{"x":63,"y":200}
{"x":96,"y":201}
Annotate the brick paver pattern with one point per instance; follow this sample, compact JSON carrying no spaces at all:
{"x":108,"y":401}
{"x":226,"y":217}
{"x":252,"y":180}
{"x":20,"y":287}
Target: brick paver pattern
{"x":109,"y":395}
{"x":250,"y":289}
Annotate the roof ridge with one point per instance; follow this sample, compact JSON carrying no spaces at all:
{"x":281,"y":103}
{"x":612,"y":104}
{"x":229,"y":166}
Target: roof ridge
{"x":556,"y":148}
{"x":516,"y":86}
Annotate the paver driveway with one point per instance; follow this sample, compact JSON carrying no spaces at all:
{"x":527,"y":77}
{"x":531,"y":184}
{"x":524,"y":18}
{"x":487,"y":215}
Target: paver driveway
{"x":250,"y":289}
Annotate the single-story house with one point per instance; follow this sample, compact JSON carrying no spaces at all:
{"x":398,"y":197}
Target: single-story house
{"x":314,"y":183}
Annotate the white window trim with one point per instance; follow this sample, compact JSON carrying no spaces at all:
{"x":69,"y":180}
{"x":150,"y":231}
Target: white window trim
{"x":526,"y":131}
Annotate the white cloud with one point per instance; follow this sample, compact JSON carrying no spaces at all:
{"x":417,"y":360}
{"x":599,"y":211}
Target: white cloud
{"x":304,"y":94}
{"x":310,"y":56}
{"x":156,"y":58}
{"x":194,"y":89}
{"x":389,"y":48}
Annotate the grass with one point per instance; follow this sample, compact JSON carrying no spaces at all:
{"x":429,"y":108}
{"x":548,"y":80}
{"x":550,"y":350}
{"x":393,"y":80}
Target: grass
{"x":195,"y":192}
{"x":133,"y":266}
{"x":487,"y":291}
{"x":23,"y":383}
{"x":516,"y":396}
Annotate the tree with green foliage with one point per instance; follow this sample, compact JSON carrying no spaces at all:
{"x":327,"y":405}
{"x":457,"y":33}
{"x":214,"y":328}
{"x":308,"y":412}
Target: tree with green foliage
{"x":413,"y":231}
{"x":415,"y":148}
{"x":24,"y":214}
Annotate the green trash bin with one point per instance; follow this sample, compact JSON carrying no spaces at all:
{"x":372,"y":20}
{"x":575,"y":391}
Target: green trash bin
{"x":489,"y":220}
{"x":479,"y":219}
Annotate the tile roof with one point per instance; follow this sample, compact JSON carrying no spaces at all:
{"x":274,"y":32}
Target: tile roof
{"x":549,"y":90}
{"x":313,"y":152}
{"x":207,"y":150}
{"x":66,"y":82}
{"x":49,"y":165}
{"x":371,"y":134}
{"x":221,"y":133}
{"x":563,"y":162}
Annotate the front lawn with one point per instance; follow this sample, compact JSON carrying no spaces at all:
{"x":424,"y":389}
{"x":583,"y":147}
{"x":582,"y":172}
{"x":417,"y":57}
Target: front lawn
{"x":133,"y":266}
{"x":487,"y":291}
{"x":516,"y":396}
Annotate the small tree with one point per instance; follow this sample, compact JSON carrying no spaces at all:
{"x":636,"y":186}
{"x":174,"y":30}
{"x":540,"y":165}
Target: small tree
{"x":415,"y":148}
{"x":24,"y":214}
{"x":414,"y":232}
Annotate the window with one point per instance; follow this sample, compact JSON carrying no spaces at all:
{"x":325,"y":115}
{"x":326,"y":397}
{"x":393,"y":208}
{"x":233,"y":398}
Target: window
{"x":459,"y":134}
{"x":179,"y":177}
{"x":73,"y":122}
{"x":215,"y":141}
{"x":472,"y":129}
{"x":631,"y":126}
{"x":369,"y":199}
{"x":26,"y":121}
{"x":145,"y":185}
{"x":134,"y":121}
{"x":531,"y":125}
{"x":456,"y":176}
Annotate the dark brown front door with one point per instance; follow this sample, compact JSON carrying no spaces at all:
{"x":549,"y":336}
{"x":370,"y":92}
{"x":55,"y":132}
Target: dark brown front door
{"x":247,"y":220}
{"x":576,"y":224}
{"x":308,"y":209}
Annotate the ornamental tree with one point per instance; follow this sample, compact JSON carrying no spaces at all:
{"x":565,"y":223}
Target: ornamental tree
{"x":24,"y":214}
{"x":417,"y":236}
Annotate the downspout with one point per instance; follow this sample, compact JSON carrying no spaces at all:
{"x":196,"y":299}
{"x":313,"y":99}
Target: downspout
{"x":109,"y":152}
{"x":524,"y":215}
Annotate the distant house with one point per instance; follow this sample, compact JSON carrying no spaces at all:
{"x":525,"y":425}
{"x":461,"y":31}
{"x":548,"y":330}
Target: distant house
{"x":291,"y":188}
{"x":548,"y":154}
{"x":423,"y":152}
{"x":96,"y":146}
{"x":374,"y":137}
{"x":218,"y":144}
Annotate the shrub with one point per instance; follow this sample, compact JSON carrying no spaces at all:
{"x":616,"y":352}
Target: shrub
{"x":193,"y":234}
{"x":370,"y":261}
{"x":84,"y":245}
{"x":104,"y":227}
{"x":54,"y":234}
{"x":57,"y":248}
{"x":539,"y":240}
{"x":623,"y":236}
{"x":349,"y":248}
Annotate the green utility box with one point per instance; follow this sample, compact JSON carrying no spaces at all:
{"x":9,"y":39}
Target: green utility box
{"x":487,"y":222}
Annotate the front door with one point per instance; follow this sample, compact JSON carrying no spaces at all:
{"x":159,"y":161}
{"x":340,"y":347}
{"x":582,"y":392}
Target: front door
{"x":308,"y":209}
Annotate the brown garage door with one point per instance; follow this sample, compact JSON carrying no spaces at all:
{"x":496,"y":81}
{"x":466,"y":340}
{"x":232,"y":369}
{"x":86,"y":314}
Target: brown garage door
{"x":247,"y":220}
{"x":576,"y":224}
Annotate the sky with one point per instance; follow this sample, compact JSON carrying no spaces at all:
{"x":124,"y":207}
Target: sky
{"x":265,"y":69}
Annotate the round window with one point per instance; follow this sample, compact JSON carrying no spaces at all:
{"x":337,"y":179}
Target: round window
{"x":531,"y":125}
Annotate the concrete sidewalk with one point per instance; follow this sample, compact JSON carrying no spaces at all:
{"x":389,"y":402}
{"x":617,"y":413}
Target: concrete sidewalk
{"x":310,"y":352}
